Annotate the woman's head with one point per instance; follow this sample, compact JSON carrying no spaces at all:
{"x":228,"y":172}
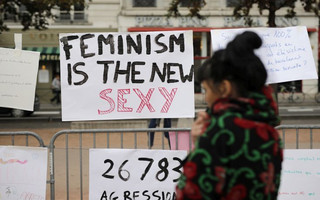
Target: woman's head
{"x":236,"y":66}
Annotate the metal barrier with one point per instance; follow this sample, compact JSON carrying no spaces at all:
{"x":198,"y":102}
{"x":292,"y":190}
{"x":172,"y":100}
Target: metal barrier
{"x":69,"y":150}
{"x":300,"y":136}
{"x":15,"y":137}
{"x":74,"y":147}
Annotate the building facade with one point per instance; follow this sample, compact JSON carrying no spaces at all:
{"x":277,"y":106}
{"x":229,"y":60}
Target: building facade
{"x":150,"y":15}
{"x":142,"y":15}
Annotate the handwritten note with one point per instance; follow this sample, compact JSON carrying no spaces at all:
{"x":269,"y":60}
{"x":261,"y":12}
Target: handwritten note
{"x":18,"y":76}
{"x":23,"y":172}
{"x":300,"y":177}
{"x":286,"y":52}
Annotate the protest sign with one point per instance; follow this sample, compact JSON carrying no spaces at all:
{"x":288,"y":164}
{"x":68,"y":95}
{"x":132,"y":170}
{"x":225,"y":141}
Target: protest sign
{"x":23,"y":172}
{"x":285,"y":52}
{"x":18,"y":78}
{"x":127,"y":75}
{"x":300,"y":175}
{"x":134,"y":174}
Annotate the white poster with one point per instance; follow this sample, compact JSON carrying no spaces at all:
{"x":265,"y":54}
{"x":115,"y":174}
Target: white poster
{"x":300,"y":177}
{"x":127,"y":75}
{"x":285,"y":52}
{"x":134,"y":174}
{"x":43,"y":76}
{"x":23,"y":172}
{"x":18,"y":78}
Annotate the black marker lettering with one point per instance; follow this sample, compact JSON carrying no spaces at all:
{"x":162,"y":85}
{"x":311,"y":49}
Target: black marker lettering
{"x":155,"y":69}
{"x":136,"y":45}
{"x":155,"y":194}
{"x":189,"y":76}
{"x":135,"y":194}
{"x":134,"y":72}
{"x":178,"y":41}
{"x":145,"y":193}
{"x":104,"y":196}
{"x":163,"y":45}
{"x":105,"y":69}
{"x":107,"y":41}
{"x":85,"y":75}
{"x":83,"y":46}
{"x":66,"y":45}
{"x":69,"y":74}
{"x":148,"y":45}
{"x":126,"y":195}
{"x":119,"y":71}
{"x":120,"y":45}
{"x":169,"y":72}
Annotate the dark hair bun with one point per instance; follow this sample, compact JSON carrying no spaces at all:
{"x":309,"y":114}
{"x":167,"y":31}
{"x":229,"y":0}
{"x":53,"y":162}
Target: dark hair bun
{"x":245,"y":43}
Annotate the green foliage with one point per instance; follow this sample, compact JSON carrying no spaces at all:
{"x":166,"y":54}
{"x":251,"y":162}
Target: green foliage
{"x":194,"y":8}
{"x":36,"y":12}
{"x":243,"y":8}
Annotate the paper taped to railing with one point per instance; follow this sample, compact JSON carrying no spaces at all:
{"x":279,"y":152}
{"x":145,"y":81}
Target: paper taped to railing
{"x":134,"y":174}
{"x":108,"y":76}
{"x":23,"y":172}
{"x":285,"y":52}
{"x":18,"y":78}
{"x":300,"y":176}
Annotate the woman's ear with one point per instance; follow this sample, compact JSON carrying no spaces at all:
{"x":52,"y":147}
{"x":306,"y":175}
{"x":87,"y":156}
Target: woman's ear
{"x":225,"y":88}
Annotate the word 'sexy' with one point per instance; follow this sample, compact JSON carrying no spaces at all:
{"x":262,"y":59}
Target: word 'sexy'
{"x":145,"y":100}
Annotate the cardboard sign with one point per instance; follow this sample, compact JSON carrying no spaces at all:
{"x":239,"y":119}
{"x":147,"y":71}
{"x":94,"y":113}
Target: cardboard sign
{"x":300,"y":176}
{"x":285,"y":52}
{"x":18,"y":78}
{"x":127,"y":75}
{"x":134,"y":174}
{"x":23,"y":172}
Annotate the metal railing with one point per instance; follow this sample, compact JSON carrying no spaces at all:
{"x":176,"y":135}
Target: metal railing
{"x":69,"y":150}
{"x":300,"y":136}
{"x":76,"y":153}
{"x":15,"y":138}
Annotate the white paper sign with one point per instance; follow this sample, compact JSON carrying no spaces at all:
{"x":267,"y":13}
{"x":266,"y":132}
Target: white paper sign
{"x":127,"y":75}
{"x":18,"y":78}
{"x":23,"y":172}
{"x":285,"y":52}
{"x":300,"y":177}
{"x":43,"y":76}
{"x":134,"y":174}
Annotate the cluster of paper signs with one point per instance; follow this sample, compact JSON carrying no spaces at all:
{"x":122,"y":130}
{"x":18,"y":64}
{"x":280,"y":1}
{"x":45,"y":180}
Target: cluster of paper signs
{"x":107,"y":76}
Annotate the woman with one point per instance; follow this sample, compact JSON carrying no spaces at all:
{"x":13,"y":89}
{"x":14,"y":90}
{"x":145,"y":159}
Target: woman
{"x":237,"y":152}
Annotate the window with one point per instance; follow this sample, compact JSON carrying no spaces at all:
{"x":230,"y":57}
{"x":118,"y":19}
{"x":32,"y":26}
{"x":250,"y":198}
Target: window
{"x":144,"y":3}
{"x":189,"y":3}
{"x":233,"y":3}
{"x":185,"y":3}
{"x":11,"y":15}
{"x":279,"y":3}
{"x":65,"y":13}
{"x":78,"y":13}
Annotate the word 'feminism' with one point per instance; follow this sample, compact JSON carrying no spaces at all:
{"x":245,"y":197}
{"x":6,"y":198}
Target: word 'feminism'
{"x":117,"y":44}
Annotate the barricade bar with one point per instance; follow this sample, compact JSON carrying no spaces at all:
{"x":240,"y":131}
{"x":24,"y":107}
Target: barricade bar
{"x":78,"y":152}
{"x":23,"y":133}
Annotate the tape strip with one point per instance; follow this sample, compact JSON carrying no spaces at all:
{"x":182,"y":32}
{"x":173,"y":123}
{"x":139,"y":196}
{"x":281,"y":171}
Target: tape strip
{"x":18,"y":41}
